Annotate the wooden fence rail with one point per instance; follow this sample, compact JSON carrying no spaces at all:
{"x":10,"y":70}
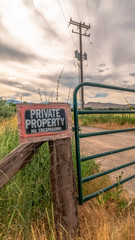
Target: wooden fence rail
{"x":16,"y":160}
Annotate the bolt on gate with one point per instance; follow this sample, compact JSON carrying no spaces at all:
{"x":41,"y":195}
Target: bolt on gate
{"x":78,"y":135}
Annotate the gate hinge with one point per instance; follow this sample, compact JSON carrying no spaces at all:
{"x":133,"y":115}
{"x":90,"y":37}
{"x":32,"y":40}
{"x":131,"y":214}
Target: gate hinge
{"x":73,"y":129}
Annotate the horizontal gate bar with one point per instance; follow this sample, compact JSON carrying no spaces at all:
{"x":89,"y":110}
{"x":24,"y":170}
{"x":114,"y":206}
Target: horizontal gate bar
{"x":86,"y":179}
{"x":106,"y":153}
{"x":102,"y":86}
{"x":107,"y":188}
{"x":83,"y":135}
{"x":105,"y":111}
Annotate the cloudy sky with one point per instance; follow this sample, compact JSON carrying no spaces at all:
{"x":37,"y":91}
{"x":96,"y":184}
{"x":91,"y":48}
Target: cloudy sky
{"x":37,"y":45}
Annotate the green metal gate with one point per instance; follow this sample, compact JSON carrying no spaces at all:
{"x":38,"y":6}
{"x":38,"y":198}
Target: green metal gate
{"x":80,"y":159}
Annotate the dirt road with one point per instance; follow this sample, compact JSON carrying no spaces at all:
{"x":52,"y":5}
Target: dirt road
{"x":100,"y":144}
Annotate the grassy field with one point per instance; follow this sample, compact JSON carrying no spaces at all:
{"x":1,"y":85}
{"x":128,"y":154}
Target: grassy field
{"x":108,"y":120}
{"x":26,"y":210}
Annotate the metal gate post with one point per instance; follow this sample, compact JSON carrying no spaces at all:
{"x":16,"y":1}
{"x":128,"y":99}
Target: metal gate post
{"x":77,"y":143}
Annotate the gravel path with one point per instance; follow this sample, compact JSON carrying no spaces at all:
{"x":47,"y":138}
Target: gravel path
{"x":100,"y":144}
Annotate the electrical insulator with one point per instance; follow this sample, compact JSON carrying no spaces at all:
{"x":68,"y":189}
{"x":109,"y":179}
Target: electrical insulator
{"x":76,"y":54}
{"x":85,"y":56}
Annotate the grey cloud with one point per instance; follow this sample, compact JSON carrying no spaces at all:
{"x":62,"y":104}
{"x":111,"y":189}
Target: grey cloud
{"x":132,"y":74}
{"x":26,"y":94}
{"x":73,"y":80}
{"x":21,"y":94}
{"x":102,"y":65}
{"x":94,"y":4}
{"x":18,"y":85}
{"x":121,"y":54}
{"x":10,"y":83}
{"x":128,"y":26}
{"x":10,"y":53}
{"x":101,"y":70}
{"x":70,"y":79}
{"x":48,"y":76}
{"x":126,"y":6}
{"x":97,"y":78}
{"x":123,"y":50}
{"x":131,"y":86}
{"x":110,"y":31}
{"x":124,"y":83}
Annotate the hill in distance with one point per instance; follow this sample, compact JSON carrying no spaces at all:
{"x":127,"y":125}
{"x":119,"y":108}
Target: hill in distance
{"x":99,"y":105}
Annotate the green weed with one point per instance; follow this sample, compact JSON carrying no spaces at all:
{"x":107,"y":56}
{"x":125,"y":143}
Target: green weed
{"x":115,"y":196}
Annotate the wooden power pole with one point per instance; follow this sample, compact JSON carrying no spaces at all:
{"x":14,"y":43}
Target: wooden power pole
{"x":80,"y":56}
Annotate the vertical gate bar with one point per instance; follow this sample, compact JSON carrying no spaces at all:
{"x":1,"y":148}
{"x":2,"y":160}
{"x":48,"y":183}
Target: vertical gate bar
{"x":77,"y":143}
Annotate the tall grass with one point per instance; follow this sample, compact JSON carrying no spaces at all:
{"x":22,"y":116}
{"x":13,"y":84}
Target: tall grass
{"x":107,"y":119}
{"x":26,"y":196}
{"x":8,"y":136}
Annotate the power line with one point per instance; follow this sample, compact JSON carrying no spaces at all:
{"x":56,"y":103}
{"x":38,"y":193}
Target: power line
{"x":90,"y":18}
{"x":62,"y":12}
{"x":67,"y":8}
{"x":61,"y":38}
{"x":103,"y":62}
{"x":66,"y":23}
{"x":49,"y":65}
{"x":87,"y":10}
{"x":77,"y":10}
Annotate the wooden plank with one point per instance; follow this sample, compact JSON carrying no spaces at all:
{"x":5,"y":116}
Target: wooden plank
{"x":17,"y":159}
{"x":63,"y":188}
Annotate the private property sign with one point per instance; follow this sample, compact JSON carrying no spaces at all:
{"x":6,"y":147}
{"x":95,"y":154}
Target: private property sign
{"x":43,"y":122}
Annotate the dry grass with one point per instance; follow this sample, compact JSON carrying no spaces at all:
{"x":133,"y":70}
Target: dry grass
{"x":113,"y":126}
{"x":101,"y":218}
{"x":8,"y":136}
{"x":96,"y":223}
{"x":11,"y":124}
{"x":106,"y":222}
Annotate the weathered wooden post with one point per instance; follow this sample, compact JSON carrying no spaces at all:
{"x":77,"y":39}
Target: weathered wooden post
{"x":52,"y":122}
{"x":63,"y":187}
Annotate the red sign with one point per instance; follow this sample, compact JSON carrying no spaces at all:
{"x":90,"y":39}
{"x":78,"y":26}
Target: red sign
{"x":43,"y":122}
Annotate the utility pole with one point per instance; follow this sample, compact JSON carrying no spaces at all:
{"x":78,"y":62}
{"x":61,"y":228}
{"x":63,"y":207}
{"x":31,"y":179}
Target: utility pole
{"x":78,"y":55}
